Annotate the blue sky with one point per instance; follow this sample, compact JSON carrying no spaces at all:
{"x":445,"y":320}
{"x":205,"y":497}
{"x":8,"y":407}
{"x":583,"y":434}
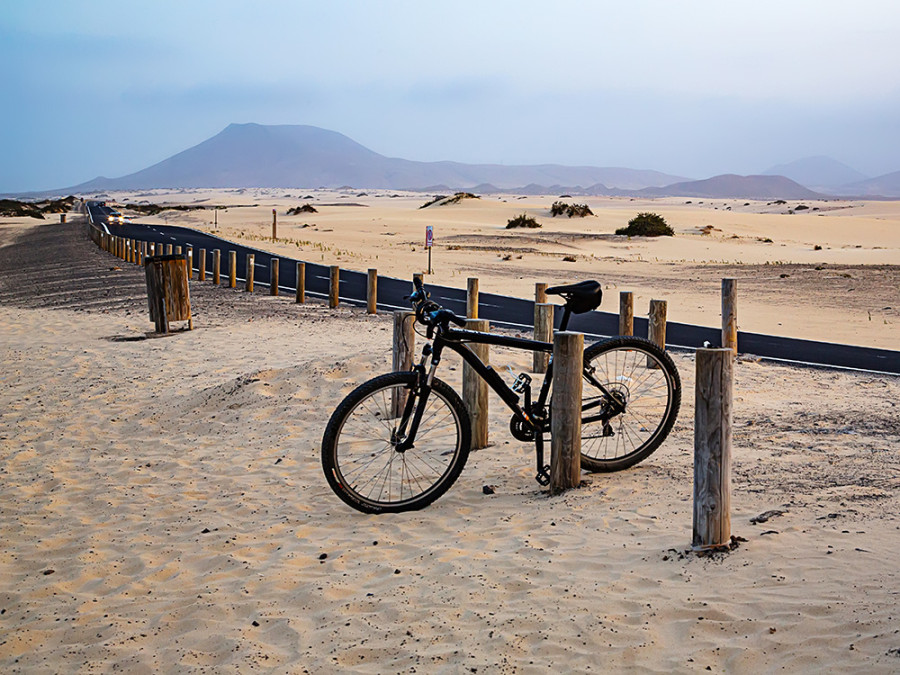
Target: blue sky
{"x":691,"y":88}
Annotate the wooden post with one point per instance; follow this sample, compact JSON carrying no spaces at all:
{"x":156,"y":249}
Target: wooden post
{"x":418,"y":276}
{"x":402,"y":357}
{"x":656,"y":328}
{"x":333,"y":286}
{"x":177,"y":250}
{"x":565,"y":411}
{"x":274,"y":228}
{"x":475,"y":389}
{"x":540,"y":292}
{"x":301,"y":282}
{"x":232,"y":269}
{"x":167,"y":291}
{"x":472,"y":298}
{"x":251,"y":268}
{"x":712,"y":448}
{"x":273,"y":276}
{"x":626,"y":313}
{"x":729,"y":315}
{"x":217,"y":266}
{"x":190,"y":262}
{"x":543,"y":331}
{"x":372,"y":292}
{"x":168,"y":249}
{"x":201,"y":265}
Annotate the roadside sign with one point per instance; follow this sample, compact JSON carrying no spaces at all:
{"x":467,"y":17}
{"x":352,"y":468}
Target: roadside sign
{"x":429,"y":236}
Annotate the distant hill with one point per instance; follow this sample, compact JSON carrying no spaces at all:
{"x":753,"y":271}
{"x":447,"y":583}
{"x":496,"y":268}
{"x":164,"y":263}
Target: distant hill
{"x":255,"y":155}
{"x":887,"y":185}
{"x":822,"y":174}
{"x":731,"y":186}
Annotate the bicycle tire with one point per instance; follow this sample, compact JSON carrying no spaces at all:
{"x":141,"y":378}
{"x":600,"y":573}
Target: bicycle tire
{"x":360,"y":459}
{"x":652,"y":397}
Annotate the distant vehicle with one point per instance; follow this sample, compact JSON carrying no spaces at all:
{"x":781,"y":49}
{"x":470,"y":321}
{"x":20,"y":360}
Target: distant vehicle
{"x":116,"y":217}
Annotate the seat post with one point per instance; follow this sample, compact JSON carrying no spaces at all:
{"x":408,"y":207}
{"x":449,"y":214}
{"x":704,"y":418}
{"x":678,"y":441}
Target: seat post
{"x":567,"y":312}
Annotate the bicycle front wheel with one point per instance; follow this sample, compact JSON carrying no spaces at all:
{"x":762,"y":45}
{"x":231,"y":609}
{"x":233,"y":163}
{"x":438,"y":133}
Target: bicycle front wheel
{"x":630,"y":400}
{"x":360,"y":454}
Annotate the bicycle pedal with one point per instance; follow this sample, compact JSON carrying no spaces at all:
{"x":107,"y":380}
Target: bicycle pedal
{"x":523,"y":381}
{"x":543,"y":478}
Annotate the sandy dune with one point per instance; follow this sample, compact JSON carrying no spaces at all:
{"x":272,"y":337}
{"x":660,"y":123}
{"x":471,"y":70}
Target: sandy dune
{"x":162,"y":508}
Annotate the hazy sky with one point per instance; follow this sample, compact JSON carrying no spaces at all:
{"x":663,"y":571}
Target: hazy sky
{"x":691,"y":88}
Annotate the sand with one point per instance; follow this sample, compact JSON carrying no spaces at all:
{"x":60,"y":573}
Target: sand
{"x":162,"y":508}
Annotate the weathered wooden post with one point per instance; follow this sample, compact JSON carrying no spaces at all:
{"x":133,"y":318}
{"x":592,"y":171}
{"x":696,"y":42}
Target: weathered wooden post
{"x":565,"y":411}
{"x":201,"y":265}
{"x":729,"y":315}
{"x":169,"y":249}
{"x":419,"y":276}
{"x":177,"y":250}
{"x":232,"y":269}
{"x":402,"y":356}
{"x":301,"y":282}
{"x":656,"y":327}
{"x":712,"y":448}
{"x":472,"y":298}
{"x":274,"y":223}
{"x":540,"y":293}
{"x":217,"y":266}
{"x":543,"y":331}
{"x":167,"y":291}
{"x":273,"y":276}
{"x":333,"y":286}
{"x":190,"y":262}
{"x":372,"y":292}
{"x":251,"y":268}
{"x":475,"y":389}
{"x":626,"y":313}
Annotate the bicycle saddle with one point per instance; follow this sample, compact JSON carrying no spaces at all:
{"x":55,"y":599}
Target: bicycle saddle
{"x":581,"y":297}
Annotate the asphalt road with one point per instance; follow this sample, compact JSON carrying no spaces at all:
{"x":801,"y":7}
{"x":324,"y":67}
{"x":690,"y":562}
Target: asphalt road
{"x":498,"y":309}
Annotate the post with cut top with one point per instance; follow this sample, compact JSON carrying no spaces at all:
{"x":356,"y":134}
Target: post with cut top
{"x":372,"y":292}
{"x":419,"y":276}
{"x":472,"y":298}
{"x":251,"y":267}
{"x":201,"y":265}
{"x":274,"y":225}
{"x":656,"y":328}
{"x":626,"y":313}
{"x":334,"y":282}
{"x":565,"y":412}
{"x":177,"y":250}
{"x":540,"y":292}
{"x":273,"y":276}
{"x":712,"y":448}
{"x":475,"y":389}
{"x":729,"y":315}
{"x":217,"y":266}
{"x":301,"y":282}
{"x":232,"y":269}
{"x":543,"y":331}
{"x":190,"y":262}
{"x":402,"y":357}
{"x":169,"y":249}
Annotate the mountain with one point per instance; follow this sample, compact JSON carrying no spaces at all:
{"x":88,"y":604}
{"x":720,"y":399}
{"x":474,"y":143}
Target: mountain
{"x":255,"y":155}
{"x":731,"y":186}
{"x":887,"y":185}
{"x":822,"y":174}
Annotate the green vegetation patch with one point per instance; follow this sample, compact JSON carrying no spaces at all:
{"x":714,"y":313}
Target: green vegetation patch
{"x":570,"y":210}
{"x":647,"y":225}
{"x":522,"y":221}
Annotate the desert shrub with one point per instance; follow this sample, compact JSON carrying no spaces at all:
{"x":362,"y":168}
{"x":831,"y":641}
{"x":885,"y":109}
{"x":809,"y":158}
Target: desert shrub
{"x":434,"y":200}
{"x":442,"y":200}
{"x":297,"y":210}
{"x":647,"y":225}
{"x":522,"y":221}
{"x":569,"y":258}
{"x":17,"y":209}
{"x":577,"y":210}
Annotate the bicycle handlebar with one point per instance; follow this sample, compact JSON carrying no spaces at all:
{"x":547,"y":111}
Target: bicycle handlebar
{"x":429,"y":312}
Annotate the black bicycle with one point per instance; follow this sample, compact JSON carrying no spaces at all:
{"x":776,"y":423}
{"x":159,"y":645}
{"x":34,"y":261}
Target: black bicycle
{"x":399,"y":441}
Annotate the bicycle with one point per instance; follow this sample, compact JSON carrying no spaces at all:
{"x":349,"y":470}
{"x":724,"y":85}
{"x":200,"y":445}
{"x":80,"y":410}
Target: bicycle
{"x":399,"y":441}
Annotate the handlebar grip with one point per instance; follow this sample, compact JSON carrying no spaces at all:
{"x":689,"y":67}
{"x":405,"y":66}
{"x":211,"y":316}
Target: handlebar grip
{"x":458,"y":320}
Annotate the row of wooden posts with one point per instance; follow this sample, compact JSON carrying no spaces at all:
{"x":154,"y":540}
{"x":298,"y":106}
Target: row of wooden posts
{"x":712,"y":427}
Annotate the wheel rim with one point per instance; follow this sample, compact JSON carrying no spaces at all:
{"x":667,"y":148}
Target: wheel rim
{"x":637,"y":379}
{"x":367,"y":462}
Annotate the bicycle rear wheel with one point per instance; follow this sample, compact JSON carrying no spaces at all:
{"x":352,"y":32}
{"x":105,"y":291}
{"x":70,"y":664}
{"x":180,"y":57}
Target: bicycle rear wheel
{"x":359,"y":449}
{"x":625,"y":425}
